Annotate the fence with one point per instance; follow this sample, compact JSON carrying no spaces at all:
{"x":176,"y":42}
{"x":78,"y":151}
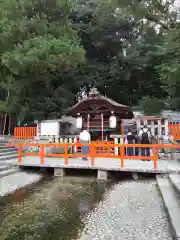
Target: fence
{"x":30,"y":132}
{"x":25,"y":132}
{"x":40,"y":150}
{"x":174,"y":131}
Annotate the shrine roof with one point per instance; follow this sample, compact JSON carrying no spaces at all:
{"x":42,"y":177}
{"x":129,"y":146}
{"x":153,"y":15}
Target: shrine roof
{"x":100,"y":98}
{"x":99,"y":103}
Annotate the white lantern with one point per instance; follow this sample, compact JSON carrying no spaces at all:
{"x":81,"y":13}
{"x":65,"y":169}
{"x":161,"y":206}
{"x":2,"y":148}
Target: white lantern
{"x":79,"y":122}
{"x":112,"y":122}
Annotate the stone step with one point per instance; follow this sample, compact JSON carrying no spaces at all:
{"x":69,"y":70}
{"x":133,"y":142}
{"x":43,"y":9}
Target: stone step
{"x":8,"y":149}
{"x":3,"y":144}
{"x":175,"y":180}
{"x":11,"y":162}
{"x":8,"y":172}
{"x":6,"y":153}
{"x":172,"y":204}
{"x":4,"y":167}
{"x":11,"y":156}
{"x":4,"y":141}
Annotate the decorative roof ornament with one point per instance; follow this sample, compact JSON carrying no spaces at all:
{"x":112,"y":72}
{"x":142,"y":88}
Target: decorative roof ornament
{"x":82,"y":94}
{"x":94,"y":92}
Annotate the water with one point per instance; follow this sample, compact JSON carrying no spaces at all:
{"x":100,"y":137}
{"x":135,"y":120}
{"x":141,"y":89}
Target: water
{"x":53,"y":212}
{"x":84,"y":209}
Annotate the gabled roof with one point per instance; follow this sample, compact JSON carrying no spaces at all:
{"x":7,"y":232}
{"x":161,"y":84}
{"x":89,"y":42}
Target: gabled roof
{"x":112,"y":102}
{"x":95,"y":98}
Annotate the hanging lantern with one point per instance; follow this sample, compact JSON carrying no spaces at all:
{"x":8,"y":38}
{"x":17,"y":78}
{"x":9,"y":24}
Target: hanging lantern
{"x":112,"y":121}
{"x":79,"y":121}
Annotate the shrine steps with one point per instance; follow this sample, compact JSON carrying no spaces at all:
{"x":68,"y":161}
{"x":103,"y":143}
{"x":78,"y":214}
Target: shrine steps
{"x":169,"y":187}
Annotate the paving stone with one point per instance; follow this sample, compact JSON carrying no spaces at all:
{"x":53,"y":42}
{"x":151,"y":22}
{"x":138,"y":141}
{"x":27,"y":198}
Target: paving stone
{"x":130,"y":210}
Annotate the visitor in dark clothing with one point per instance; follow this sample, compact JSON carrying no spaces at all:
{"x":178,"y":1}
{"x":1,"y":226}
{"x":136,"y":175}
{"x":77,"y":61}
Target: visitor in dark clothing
{"x":145,"y":136}
{"x":136,"y":141}
{"x":130,"y":140}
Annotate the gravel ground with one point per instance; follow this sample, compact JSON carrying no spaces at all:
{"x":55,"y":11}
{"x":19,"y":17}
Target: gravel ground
{"x":11,"y":183}
{"x":131,"y":210}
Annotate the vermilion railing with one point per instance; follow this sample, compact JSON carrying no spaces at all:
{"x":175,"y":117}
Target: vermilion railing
{"x":99,"y":149}
{"x":92,"y":151}
{"x":105,"y":149}
{"x":174,"y":131}
{"x":25,"y":132}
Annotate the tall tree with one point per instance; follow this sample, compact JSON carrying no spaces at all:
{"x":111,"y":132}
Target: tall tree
{"x":169,"y":67}
{"x":37,"y":41}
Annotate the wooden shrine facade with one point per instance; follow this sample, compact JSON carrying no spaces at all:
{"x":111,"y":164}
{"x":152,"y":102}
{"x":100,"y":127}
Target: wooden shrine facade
{"x":96,"y":109}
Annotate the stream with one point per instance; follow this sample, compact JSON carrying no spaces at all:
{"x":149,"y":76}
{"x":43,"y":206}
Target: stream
{"x":53,"y":211}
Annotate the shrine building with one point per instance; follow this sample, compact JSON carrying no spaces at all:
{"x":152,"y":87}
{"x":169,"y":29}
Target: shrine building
{"x":100,"y":115}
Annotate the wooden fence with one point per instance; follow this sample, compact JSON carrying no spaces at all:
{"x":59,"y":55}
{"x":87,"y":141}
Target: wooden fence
{"x":30,"y":132}
{"x":25,"y":132}
{"x":174,"y":131}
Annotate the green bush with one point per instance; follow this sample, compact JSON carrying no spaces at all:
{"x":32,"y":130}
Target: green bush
{"x":151,"y":106}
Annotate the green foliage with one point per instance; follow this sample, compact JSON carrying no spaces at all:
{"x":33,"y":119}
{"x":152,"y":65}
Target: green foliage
{"x":50,"y":48}
{"x":169,"y":69}
{"x":151,"y":106}
{"x":43,"y":54}
{"x":37,"y":41}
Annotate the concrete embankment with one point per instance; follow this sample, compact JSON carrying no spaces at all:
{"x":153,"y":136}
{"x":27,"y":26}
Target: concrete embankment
{"x":11,"y":178}
{"x":169,"y":187}
{"x":11,"y":183}
{"x":8,"y":156}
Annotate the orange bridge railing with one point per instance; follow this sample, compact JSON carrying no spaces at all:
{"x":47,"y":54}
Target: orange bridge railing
{"x":40,"y":151}
{"x":25,"y":132}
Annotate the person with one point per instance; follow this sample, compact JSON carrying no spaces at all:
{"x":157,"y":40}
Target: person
{"x":136,"y":141}
{"x":145,"y":137}
{"x":84,"y":137}
{"x":130,"y":140}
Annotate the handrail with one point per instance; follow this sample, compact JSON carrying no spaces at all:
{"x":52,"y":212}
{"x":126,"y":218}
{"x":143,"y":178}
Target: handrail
{"x":92,"y":151}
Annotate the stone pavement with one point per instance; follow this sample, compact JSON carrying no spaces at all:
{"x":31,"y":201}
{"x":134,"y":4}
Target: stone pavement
{"x":129,"y":211}
{"x":163,"y":166}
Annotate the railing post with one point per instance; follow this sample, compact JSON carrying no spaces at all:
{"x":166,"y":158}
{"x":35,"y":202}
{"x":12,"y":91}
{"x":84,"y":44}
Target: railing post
{"x":92,"y":153}
{"x":42,"y":154}
{"x":19,"y":154}
{"x":74,"y":148}
{"x":66,"y":154}
{"x":19,"y":133}
{"x":116,"y":148}
{"x":122,"y":155}
{"x":155,"y":155}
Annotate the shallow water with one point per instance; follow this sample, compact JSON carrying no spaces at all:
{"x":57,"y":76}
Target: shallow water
{"x":76,"y":208}
{"x":53,"y":211}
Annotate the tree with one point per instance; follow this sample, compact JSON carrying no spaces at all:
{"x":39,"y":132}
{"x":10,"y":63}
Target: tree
{"x":51,"y":48}
{"x":151,"y":106}
{"x":157,"y":12}
{"x":37,"y":41}
{"x":121,"y":51}
{"x":169,"y":67}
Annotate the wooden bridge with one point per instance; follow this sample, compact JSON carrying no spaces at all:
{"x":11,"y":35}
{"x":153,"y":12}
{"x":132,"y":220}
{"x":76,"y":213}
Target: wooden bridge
{"x":60,"y":157}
